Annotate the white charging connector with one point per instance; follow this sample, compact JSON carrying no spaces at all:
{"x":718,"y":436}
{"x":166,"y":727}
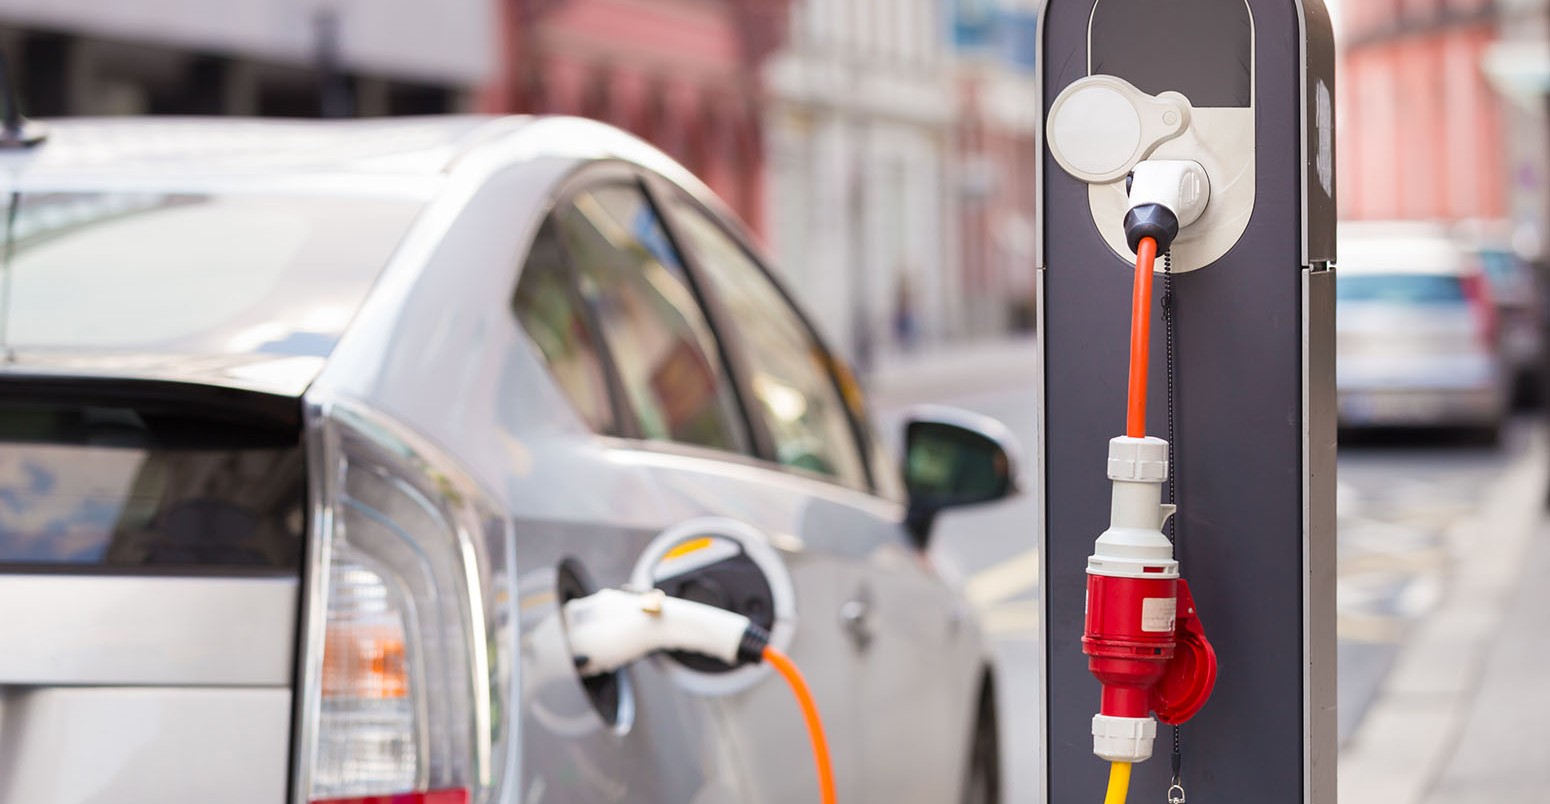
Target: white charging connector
{"x":611,"y":628}
{"x":1166,"y":195}
{"x":1180,"y":185}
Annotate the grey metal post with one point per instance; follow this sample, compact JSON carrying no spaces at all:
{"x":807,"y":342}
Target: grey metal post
{"x":1255,"y":442}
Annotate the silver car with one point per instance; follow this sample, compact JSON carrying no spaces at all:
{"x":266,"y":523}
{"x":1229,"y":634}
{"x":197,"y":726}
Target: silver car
{"x":1416,"y":335}
{"x":310,"y":430}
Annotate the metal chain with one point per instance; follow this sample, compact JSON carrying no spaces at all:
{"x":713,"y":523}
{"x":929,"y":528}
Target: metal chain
{"x":1170,"y":337}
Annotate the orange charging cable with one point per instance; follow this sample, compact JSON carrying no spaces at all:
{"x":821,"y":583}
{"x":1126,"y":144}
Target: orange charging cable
{"x":1140,"y":337}
{"x":804,"y":696}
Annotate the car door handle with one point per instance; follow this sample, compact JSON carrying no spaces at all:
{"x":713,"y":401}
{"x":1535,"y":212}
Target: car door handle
{"x":855,"y":616}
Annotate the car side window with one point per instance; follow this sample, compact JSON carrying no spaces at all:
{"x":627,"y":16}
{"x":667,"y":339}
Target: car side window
{"x":661,"y":342}
{"x":551,"y":312}
{"x":792,"y":377}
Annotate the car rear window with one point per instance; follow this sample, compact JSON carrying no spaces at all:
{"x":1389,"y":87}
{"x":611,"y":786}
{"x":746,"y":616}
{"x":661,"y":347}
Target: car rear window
{"x":1400,"y":289}
{"x":198,"y":274}
{"x":92,"y":486}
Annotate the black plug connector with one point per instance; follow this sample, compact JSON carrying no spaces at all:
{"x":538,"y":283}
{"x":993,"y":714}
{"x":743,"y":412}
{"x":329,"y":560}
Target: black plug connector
{"x":1151,"y":220}
{"x":750,"y":650}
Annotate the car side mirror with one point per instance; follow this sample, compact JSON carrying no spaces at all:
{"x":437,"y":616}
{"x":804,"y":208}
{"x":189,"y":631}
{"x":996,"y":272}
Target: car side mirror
{"x":954,"y":458}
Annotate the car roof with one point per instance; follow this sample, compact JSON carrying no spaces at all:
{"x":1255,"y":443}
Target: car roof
{"x":414,"y":158}
{"x":398,"y":155}
{"x":1400,"y":247}
{"x":106,"y":151}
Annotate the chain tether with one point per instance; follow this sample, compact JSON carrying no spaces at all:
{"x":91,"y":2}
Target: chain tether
{"x":1170,"y":338}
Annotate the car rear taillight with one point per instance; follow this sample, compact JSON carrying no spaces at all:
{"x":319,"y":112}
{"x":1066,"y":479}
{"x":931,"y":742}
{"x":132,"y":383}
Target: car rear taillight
{"x":367,"y":723}
{"x":1481,"y":307}
{"x":398,"y":686}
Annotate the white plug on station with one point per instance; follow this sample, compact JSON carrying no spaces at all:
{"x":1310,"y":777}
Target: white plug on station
{"x":1166,"y":195}
{"x":1132,"y":147}
{"x":1181,"y":185}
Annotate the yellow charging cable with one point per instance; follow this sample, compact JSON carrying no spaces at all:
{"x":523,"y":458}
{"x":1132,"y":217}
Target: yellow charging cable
{"x":1119,"y":783}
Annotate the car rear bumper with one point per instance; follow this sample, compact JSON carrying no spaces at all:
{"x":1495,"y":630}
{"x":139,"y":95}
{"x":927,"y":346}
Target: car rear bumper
{"x":1420,"y":408}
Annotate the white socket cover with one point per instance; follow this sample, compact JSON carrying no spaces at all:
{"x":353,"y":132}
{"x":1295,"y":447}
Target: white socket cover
{"x":1101,"y":126}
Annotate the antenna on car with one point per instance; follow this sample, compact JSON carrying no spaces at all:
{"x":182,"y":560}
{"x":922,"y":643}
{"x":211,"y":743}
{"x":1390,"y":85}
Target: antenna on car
{"x":16,"y":131}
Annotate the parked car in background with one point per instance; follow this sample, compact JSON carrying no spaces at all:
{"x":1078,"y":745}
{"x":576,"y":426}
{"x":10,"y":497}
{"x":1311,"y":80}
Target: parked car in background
{"x":1417,"y":342}
{"x":1519,"y":306}
{"x":309,"y":430}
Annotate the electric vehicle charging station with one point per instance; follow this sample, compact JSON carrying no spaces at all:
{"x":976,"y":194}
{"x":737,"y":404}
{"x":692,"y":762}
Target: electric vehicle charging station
{"x":1206,"y":126}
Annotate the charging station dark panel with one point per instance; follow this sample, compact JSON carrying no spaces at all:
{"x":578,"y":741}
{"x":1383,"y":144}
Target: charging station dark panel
{"x":1202,"y":48}
{"x":1249,"y":427}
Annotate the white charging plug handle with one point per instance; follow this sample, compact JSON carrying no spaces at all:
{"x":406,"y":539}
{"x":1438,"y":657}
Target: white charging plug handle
{"x":612,"y":628}
{"x":1180,"y":185}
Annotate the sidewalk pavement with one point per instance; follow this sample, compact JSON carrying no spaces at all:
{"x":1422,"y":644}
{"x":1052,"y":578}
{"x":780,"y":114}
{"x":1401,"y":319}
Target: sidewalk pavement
{"x":961,"y":370}
{"x":1464,"y":715}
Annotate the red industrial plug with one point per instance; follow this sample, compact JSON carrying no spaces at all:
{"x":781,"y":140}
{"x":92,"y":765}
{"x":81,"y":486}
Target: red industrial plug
{"x":1143,"y":638}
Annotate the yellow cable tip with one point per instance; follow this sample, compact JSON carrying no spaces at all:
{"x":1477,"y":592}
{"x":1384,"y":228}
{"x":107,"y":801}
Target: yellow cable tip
{"x":1119,"y":783}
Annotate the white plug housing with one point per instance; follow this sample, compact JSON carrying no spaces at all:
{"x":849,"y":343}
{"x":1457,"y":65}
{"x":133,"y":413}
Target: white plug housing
{"x":1123,"y":739}
{"x":611,"y":628}
{"x":1180,"y":185}
{"x":1134,"y":545}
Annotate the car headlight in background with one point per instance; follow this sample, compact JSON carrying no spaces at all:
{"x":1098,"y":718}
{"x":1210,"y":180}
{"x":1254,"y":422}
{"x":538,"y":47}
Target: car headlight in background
{"x":401,"y":685}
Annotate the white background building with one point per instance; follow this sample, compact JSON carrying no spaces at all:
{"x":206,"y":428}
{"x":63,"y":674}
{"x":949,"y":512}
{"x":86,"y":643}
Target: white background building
{"x":862,"y":207}
{"x":994,"y":42}
{"x":902,"y":152}
{"x":1518,"y":67}
{"x":246,"y":56}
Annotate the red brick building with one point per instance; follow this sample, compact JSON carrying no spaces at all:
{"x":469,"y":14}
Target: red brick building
{"x":1420,"y":127}
{"x":683,"y":74}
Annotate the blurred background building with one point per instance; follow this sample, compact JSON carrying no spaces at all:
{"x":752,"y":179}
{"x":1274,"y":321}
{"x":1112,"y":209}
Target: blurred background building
{"x":1443,"y":114}
{"x":902,"y":140}
{"x":1518,"y":66}
{"x":1423,"y":128}
{"x":860,"y":134}
{"x":995,"y":42}
{"x":885,"y":149}
{"x":683,"y":74}
{"x":292,"y":58}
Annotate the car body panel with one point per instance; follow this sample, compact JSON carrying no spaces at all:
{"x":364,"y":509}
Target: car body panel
{"x":144,"y":745}
{"x":146,"y":630}
{"x":435,"y":349}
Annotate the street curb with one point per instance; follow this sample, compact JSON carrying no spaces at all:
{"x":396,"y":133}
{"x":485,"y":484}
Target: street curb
{"x":1404,"y":743}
